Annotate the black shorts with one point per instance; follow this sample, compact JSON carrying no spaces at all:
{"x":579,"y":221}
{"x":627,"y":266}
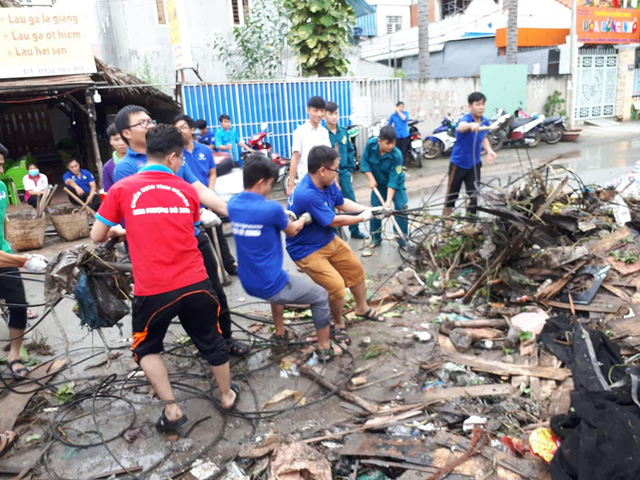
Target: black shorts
{"x":12,"y":291}
{"x":197,"y":308}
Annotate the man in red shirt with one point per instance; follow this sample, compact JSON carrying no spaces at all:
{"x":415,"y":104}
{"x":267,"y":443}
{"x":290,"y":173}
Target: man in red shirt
{"x":160,"y":211}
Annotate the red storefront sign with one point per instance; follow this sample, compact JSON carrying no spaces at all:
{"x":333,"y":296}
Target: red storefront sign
{"x":608,"y":25}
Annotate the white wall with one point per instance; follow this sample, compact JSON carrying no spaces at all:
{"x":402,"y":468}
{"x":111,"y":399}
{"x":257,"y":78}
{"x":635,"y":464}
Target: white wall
{"x":448,"y":97}
{"x":128,"y":32}
{"x":386,"y":8}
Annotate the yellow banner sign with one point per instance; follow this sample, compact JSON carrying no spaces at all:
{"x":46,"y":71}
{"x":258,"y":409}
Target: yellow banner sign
{"x":40,"y":42}
{"x":179,"y":35}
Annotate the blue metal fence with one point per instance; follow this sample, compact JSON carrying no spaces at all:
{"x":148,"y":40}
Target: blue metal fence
{"x":281,"y":104}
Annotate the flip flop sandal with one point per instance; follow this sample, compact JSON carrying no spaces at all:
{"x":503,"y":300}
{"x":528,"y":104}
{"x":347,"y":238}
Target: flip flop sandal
{"x":235,"y":389}
{"x":340,"y":335}
{"x":326,"y":355}
{"x":20,"y":373}
{"x":31,"y":314}
{"x":372,"y":316}
{"x":164,"y":425}
{"x":286,"y":337}
{"x":238,"y":348}
{"x":8,"y":442}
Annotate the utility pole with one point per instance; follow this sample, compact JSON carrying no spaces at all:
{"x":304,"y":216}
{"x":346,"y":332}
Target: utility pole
{"x":574,"y":52}
{"x":423,"y":39}
{"x":512,"y":33}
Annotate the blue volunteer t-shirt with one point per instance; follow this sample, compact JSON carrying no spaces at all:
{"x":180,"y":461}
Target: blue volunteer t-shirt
{"x":257,"y":223}
{"x":306,"y":197}
{"x":208,"y":138}
{"x":400,"y":126}
{"x":83,"y":179}
{"x":468,"y":147}
{"x":132,"y":162}
{"x":200,"y":161}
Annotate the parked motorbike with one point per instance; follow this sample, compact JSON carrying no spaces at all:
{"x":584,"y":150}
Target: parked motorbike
{"x":441,"y":140}
{"x":515,"y":131}
{"x":551,"y":128}
{"x":258,"y":143}
{"x":415,"y":147}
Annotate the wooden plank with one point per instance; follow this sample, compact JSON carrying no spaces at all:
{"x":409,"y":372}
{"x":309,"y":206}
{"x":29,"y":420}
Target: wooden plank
{"x":595,"y":306}
{"x":355,"y":399}
{"x":408,"y":449}
{"x":13,"y":404}
{"x":500,"y":368}
{"x":607,"y":243}
{"x":473,"y":391}
{"x":618,"y":292}
{"x":624,"y":268}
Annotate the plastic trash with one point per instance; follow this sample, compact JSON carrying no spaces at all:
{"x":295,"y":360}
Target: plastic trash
{"x":544,"y":443}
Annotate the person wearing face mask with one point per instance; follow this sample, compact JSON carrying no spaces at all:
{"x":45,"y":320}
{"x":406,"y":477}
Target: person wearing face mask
{"x":35,"y":184}
{"x":160,"y":211}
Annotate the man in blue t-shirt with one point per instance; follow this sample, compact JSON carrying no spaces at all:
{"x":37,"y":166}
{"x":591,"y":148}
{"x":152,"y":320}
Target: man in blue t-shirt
{"x":465,"y":162}
{"x":199,"y":159}
{"x":326,"y":258}
{"x":82,"y":184}
{"x":257,"y":223}
{"x":206,"y":136}
{"x":399,"y":120}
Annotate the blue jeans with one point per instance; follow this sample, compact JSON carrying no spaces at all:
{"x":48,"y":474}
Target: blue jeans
{"x":399,"y":202}
{"x":346,"y":185}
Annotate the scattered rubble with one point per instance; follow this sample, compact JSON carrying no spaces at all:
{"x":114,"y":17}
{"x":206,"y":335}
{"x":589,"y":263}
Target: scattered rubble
{"x":511,"y":343}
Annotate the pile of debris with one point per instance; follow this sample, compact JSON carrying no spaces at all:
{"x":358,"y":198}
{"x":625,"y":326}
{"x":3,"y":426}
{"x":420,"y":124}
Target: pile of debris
{"x":533,"y":340}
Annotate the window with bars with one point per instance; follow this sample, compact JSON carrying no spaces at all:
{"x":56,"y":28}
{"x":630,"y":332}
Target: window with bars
{"x":394,"y":23}
{"x":239,"y":11}
{"x":161,"y":12}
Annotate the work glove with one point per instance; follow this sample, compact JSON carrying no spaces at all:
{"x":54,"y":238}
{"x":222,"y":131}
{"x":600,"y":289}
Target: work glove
{"x":292,"y":216}
{"x":377,"y":211}
{"x":366,"y":215}
{"x":209,"y":219}
{"x":307,"y":218}
{"x":36,"y":263}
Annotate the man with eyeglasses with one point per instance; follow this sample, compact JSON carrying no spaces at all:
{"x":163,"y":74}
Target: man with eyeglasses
{"x":316,"y":250}
{"x":132,"y":123}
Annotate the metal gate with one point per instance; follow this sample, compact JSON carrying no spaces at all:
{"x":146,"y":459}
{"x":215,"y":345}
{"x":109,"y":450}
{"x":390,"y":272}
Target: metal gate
{"x":597,"y":83}
{"x":282,"y":104}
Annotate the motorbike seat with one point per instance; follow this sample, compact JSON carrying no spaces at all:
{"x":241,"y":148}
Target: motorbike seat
{"x":518,"y":122}
{"x":550,"y":120}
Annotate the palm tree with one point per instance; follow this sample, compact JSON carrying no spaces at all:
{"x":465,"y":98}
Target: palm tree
{"x":423,"y":38}
{"x":512,"y":33}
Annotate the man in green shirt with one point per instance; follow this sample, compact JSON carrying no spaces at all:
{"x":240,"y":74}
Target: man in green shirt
{"x":381,"y":162}
{"x":339,"y":138}
{"x":11,"y":287}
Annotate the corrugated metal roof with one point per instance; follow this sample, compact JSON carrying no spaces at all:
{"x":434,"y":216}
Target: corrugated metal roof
{"x":367,"y":25}
{"x":361,"y":7}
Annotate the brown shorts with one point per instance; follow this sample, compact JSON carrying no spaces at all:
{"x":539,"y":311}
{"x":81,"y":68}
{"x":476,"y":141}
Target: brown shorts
{"x":334,"y":267}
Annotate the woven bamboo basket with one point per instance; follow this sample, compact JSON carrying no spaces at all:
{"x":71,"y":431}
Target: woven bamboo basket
{"x":26,"y":232}
{"x":70,"y":224}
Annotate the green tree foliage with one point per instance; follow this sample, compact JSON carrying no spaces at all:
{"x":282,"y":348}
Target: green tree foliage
{"x":321,"y":33}
{"x":256,"y":49}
